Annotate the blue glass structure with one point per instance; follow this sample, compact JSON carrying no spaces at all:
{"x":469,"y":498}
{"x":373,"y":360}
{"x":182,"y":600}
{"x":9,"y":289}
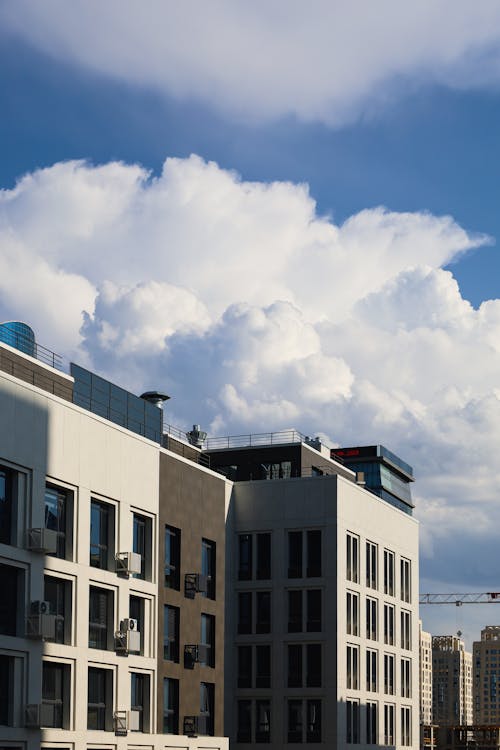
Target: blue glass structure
{"x":385,"y":474}
{"x":18,"y":335}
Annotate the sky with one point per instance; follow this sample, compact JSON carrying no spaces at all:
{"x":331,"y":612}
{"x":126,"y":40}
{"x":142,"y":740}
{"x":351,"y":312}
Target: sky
{"x":283,"y":215}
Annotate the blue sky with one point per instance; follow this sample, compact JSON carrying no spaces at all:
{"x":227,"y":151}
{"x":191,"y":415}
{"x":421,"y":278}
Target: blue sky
{"x":264,"y":256}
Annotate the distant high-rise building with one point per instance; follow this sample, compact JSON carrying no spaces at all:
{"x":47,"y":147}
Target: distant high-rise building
{"x":425,"y":676}
{"x":451,"y":681}
{"x":486,"y":660}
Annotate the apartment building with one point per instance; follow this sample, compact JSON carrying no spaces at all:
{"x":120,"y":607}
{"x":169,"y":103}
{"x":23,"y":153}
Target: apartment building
{"x":112,"y":556}
{"x":322,"y":607}
{"x":425,"y":676}
{"x":451,"y":682}
{"x":486,"y":665}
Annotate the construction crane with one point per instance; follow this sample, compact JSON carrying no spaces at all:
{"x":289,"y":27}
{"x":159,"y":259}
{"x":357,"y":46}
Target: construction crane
{"x":491,"y":597}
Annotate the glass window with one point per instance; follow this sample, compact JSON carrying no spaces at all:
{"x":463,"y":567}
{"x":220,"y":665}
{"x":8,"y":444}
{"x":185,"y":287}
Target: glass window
{"x":244,"y":729}
{"x":245,"y":557}
{"x":313,"y":725}
{"x":101,"y":533}
{"x":313,"y":665}
{"x":371,"y":670}
{"x":263,"y":571}
{"x":313,"y":554}
{"x":352,"y":672}
{"x":57,"y":510}
{"x":100,"y":618}
{"x":352,"y":722}
{"x":371,"y":619}
{"x":405,"y":580}
{"x":295,"y":611}
{"x":405,"y":630}
{"x":139,"y":699}
{"x":263,"y":721}
{"x":6,"y":690}
{"x":406,"y":726}
{"x":313,"y":624}
{"x":352,"y":562}
{"x":389,"y":624}
{"x":141,"y":542}
{"x":371,"y":723}
{"x":263,"y":666}
{"x":295,"y":721}
{"x":389,"y":674}
{"x":100,"y":695}
{"x":352,"y":613}
{"x":171,"y":633}
{"x":388,"y":572}
{"x":244,"y":666}
{"x":172,"y":558}
{"x":371,"y":565}
{"x":295,"y":554}
{"x":12,"y":588}
{"x":208,"y":566}
{"x":263,"y":612}
{"x":245,"y":612}
{"x":55,"y":686}
{"x":6,"y":505}
{"x":57,"y":592}
{"x":207,"y":704}
{"x":208,"y":640}
{"x":294,"y":665}
{"x":170,"y":706}
{"x":389,"y":724}
{"x":136,"y":611}
{"x":406,"y":678}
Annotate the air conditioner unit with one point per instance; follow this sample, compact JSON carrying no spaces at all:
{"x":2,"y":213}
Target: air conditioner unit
{"x":128,"y":624}
{"x":128,"y":642}
{"x":38,"y":715}
{"x":194,"y":725}
{"x":41,"y":626}
{"x":40,"y":608}
{"x":195,"y":653}
{"x":195,"y":583}
{"x":42,"y":540}
{"x":128,"y":563}
{"x":120,"y":723}
{"x":134,"y":721}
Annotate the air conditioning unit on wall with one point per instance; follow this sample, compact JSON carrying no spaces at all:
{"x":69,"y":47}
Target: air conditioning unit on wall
{"x":128,"y":563}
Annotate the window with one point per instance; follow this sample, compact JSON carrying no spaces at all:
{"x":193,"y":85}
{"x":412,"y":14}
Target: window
{"x":313,"y":611}
{"x":208,"y":549}
{"x":100,"y":699}
{"x":313,"y":569}
{"x":389,"y":674}
{"x":388,"y":572}
{"x":244,"y":666}
{"x":405,"y":630}
{"x":171,"y":633}
{"x":101,"y":535}
{"x":312,"y":554}
{"x":389,"y":724}
{"x":352,"y":672}
{"x":263,"y":571}
{"x":136,"y":612}
{"x":295,"y":721}
{"x":405,"y":580}
{"x":405,"y":726}
{"x":6,"y":505}
{"x":263,"y":612}
{"x":58,"y":506}
{"x":55,"y":692}
{"x":313,"y":665}
{"x":172,"y":558}
{"x":245,"y":612}
{"x":389,"y":624}
{"x":208,"y":639}
{"x":313,"y":623}
{"x":371,"y":723}
{"x":245,"y":557}
{"x":371,"y":670}
{"x":294,"y":554}
{"x":313,"y":726}
{"x":6,"y":690}
{"x":170,"y":706}
{"x":406,"y":678}
{"x":352,"y":613}
{"x":244,"y":728}
{"x":352,"y":562}
{"x":141,"y":543}
{"x":12,"y":588}
{"x":139,"y":699}
{"x":371,"y":565}
{"x":262,"y":666}
{"x":352,"y":722}
{"x":296,"y":725}
{"x":263,"y":721}
{"x":100,"y":618}
{"x":295,"y":665}
{"x":371,"y":619}
{"x":295,"y":611}
{"x":207,"y":704}
{"x":57,"y":591}
{"x":312,"y":668}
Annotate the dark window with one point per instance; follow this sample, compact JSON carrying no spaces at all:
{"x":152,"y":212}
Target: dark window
{"x":136,"y":612}
{"x":295,"y":611}
{"x":245,"y":612}
{"x":313,"y":726}
{"x":245,"y":557}
{"x":171,"y":633}
{"x":6,"y":690}
{"x":170,"y":706}
{"x":244,"y":666}
{"x":352,"y":721}
{"x":207,"y":704}
{"x":208,"y":566}
{"x":100,"y":618}
{"x":294,"y":554}
{"x":57,"y":592}
{"x":295,"y":721}
{"x":55,"y":688}
{"x":57,"y":514}
{"x":100,"y":699}
{"x":101,"y":534}
{"x":262,"y":666}
{"x":139,"y":699}
{"x":313,"y":554}
{"x":11,"y":584}
{"x":371,"y":723}
{"x":313,"y":672}
{"x":263,"y":556}
{"x":294,"y":665}
{"x":263,"y":607}
{"x":141,"y":543}
{"x":244,"y":730}
{"x":314,"y":611}
{"x":208,"y":639}
{"x":263,"y":721}
{"x":172,"y":558}
{"x":6,"y":505}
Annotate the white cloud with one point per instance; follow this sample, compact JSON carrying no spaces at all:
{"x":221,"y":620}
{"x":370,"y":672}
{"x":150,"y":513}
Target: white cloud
{"x":326,"y":61}
{"x":256,"y":314}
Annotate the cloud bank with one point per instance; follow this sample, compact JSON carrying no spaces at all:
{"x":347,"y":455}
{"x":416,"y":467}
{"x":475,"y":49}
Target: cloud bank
{"x":255,"y":313}
{"x":327,"y":61}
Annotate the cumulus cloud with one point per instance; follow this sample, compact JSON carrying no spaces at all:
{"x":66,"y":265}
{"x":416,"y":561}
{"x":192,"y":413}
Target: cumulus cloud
{"x":329,"y":61}
{"x":256,"y":314}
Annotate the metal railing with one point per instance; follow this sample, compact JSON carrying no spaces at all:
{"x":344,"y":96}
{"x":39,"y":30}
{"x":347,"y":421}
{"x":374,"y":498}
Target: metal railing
{"x":261,"y":438}
{"x":26,"y":345}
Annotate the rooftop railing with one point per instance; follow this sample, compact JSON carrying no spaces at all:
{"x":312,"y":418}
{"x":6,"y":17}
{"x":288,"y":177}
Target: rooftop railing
{"x":261,"y":438}
{"x":26,"y":345}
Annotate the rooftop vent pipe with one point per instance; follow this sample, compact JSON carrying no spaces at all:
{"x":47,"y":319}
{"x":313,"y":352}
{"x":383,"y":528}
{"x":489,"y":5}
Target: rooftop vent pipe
{"x":196,"y":436}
